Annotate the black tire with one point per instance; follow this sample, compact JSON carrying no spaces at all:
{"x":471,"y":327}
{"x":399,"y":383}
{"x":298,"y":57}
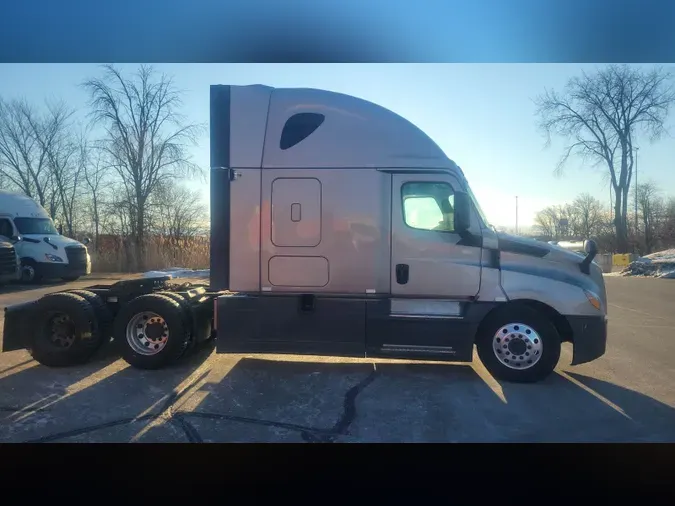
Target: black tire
{"x":550,"y":342}
{"x":174,"y":317}
{"x":84,"y":330}
{"x":29,"y":272}
{"x":103,"y":314}
{"x":185,"y":306}
{"x":70,"y":278}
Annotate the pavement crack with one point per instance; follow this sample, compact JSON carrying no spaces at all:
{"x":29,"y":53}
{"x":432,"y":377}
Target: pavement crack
{"x":191,"y":433}
{"x":255,"y":421}
{"x":179,"y":419}
{"x":341,"y":427}
{"x":91,"y":428}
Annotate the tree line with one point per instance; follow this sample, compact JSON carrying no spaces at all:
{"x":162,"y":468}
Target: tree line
{"x":119,"y":171}
{"x":587,"y":217}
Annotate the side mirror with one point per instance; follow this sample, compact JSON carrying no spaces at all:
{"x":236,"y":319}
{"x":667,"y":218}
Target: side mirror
{"x":86,"y":241}
{"x":590,"y":247}
{"x":16,"y":238}
{"x":462,"y":212}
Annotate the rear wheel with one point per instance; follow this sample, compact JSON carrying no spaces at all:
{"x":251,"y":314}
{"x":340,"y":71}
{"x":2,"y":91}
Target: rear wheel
{"x":185,"y":307}
{"x":103,"y":314}
{"x":65,"y":330}
{"x":151,"y":331}
{"x":519,"y":345}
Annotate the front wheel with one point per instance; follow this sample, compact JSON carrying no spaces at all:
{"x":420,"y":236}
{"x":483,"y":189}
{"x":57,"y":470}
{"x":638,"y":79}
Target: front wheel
{"x":29,"y":272}
{"x":519,"y":345}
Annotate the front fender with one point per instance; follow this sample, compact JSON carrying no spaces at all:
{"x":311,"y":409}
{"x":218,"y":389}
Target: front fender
{"x":566,"y":298}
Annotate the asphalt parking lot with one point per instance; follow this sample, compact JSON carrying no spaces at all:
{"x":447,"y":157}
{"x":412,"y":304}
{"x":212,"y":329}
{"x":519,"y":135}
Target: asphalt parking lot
{"x":627,"y":395}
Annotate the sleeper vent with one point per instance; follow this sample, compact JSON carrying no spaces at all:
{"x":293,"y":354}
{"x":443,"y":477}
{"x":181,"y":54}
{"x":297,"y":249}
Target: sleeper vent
{"x":298,"y":127}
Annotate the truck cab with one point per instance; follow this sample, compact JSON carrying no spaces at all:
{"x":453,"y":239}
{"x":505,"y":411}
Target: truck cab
{"x":42,"y":251}
{"x":353,"y":233}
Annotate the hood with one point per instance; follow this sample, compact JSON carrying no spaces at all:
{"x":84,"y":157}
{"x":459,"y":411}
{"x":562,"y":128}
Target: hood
{"x":59,"y":241}
{"x":531,"y":247}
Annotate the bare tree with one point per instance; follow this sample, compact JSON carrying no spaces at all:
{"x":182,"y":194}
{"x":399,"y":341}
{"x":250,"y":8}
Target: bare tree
{"x":545,"y":222}
{"x":25,"y":137}
{"x":668,"y":226}
{"x":66,"y":163}
{"x":588,"y":216}
{"x":177,"y":212}
{"x":95,"y":175}
{"x":600,"y":115}
{"x":146,"y":137}
{"x":651,"y":209}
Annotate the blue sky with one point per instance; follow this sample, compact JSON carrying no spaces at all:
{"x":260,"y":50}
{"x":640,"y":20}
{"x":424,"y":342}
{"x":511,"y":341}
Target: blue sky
{"x":481,"y":115}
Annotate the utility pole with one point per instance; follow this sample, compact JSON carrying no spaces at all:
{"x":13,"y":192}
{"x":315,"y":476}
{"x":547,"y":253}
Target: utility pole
{"x":636,"y":195}
{"x":516,"y":214}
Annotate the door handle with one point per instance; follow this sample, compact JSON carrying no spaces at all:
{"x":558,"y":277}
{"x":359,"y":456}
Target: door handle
{"x":402,"y":273}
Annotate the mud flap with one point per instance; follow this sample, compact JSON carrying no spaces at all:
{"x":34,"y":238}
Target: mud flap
{"x":589,"y":338}
{"x":17,"y":328}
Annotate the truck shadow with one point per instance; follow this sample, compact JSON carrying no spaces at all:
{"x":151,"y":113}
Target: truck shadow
{"x":269,"y":400}
{"x":223,"y":398}
{"x":104,"y":400}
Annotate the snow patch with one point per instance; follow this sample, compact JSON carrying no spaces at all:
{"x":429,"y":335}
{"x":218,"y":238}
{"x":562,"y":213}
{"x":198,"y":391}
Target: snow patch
{"x":656,"y":265}
{"x":178,"y":272}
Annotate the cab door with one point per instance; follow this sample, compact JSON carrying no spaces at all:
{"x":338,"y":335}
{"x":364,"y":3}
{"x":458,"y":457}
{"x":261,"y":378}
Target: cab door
{"x":429,"y":258}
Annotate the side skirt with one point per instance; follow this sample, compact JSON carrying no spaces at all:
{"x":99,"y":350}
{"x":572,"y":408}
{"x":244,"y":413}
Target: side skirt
{"x":423,"y":329}
{"x":343,"y":326}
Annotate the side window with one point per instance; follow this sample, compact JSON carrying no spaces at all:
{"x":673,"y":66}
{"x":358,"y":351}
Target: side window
{"x":428,"y":206}
{"x":6,"y":228}
{"x":299,"y":127}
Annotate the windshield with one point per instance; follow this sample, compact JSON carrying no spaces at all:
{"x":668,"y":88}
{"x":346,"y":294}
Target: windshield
{"x":39,"y":226}
{"x":477,"y":206}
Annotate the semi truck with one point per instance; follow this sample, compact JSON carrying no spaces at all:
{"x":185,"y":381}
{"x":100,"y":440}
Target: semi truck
{"x":9,"y":261}
{"x":337,"y":228}
{"x":43,"y":252}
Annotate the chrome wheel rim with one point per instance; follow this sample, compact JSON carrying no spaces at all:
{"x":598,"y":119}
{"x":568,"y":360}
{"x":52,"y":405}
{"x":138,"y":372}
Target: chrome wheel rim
{"x":147,"y":333}
{"x":517,"y":346}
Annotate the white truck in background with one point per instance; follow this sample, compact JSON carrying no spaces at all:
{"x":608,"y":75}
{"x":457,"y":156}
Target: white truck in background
{"x":43,"y":253}
{"x":9,"y":262}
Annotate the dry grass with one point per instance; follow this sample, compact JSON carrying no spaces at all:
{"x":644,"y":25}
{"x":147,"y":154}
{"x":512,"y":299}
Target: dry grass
{"x":161,"y":252}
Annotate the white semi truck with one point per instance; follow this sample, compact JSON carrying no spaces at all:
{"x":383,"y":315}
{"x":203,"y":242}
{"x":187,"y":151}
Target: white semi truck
{"x":10,"y":267}
{"x":43,"y":252}
{"x":338,"y":228}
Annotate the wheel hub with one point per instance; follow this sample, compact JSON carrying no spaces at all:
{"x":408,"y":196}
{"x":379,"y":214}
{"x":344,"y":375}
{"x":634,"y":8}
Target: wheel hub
{"x":27,"y":273}
{"x":61,"y":331}
{"x":147,"y":333}
{"x":517,"y":346}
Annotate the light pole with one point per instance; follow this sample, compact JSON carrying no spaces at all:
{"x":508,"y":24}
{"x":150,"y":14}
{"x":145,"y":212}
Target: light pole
{"x":516,"y":214}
